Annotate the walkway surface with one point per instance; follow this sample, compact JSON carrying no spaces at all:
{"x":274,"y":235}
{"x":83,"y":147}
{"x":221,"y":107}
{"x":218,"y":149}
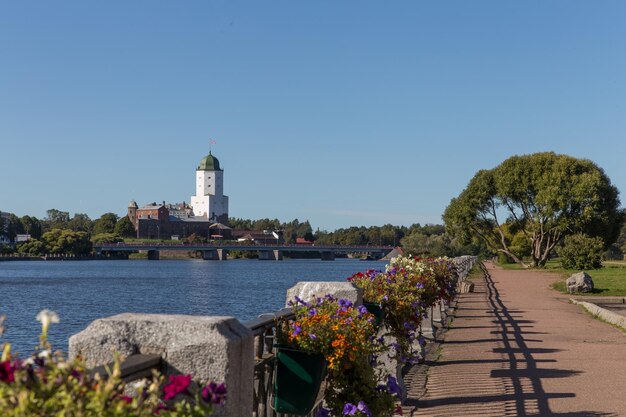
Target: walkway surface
{"x":518,"y":348}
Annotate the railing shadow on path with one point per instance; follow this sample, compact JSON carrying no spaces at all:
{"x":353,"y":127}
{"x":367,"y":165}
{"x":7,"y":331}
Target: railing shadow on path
{"x":521,"y":391}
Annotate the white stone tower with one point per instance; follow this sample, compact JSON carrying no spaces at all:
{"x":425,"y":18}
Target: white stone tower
{"x":210,"y":200}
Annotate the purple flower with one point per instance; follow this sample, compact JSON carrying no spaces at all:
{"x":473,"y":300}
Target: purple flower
{"x":301,"y":301}
{"x":421,"y":341}
{"x":392,"y":386}
{"x":214,"y":393}
{"x":419,"y":285}
{"x":349,"y":409}
{"x":363,"y":408}
{"x":344,"y":304}
{"x":312,"y":336}
{"x":312,"y":312}
{"x":362,"y":310}
{"x":296,"y":331}
{"x":323,"y":412}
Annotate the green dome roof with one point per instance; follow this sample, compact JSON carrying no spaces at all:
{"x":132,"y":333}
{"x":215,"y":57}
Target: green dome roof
{"x":209,"y":163}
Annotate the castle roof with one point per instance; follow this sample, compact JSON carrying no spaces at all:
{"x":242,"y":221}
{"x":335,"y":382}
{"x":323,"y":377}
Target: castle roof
{"x":209,"y":163}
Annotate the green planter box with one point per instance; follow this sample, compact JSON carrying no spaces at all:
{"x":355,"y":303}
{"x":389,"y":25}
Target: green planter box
{"x":299,"y":376}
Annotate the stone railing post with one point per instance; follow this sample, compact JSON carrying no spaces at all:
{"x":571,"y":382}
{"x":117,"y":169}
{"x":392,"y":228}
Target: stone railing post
{"x":216,"y":349}
{"x":309,"y":290}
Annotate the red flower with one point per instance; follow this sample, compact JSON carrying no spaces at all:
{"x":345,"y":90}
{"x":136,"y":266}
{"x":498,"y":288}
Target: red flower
{"x":7,"y":372}
{"x":177,"y":385}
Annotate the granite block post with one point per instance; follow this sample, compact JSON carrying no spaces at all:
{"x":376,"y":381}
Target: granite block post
{"x":309,"y":290}
{"x":210,"y":348}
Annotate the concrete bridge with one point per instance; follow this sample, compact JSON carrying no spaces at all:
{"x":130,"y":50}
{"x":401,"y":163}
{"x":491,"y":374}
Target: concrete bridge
{"x":219,"y":250}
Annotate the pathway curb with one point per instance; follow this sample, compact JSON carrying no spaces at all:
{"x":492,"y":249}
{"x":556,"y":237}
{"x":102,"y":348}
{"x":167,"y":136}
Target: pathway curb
{"x":602,"y":313}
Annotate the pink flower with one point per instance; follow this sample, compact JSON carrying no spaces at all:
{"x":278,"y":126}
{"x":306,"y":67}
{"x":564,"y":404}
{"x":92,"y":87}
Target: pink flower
{"x":178,"y":384}
{"x":126,"y":399}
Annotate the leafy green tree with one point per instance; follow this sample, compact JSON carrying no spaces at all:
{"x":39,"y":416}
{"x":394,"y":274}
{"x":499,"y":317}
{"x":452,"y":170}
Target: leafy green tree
{"x":32,"y":226}
{"x":80,"y":223}
{"x":32,"y":247}
{"x":67,"y":242}
{"x":545,"y":196}
{"x":621,"y":240}
{"x":14,"y":226}
{"x":106,"y":238}
{"x":582,"y":252}
{"x":55,"y":219}
{"x":124,"y":227}
{"x":420,"y":244}
{"x":105,"y":224}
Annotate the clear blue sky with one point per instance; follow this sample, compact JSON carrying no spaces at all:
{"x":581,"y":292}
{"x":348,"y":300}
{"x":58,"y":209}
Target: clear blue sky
{"x":340,"y":112}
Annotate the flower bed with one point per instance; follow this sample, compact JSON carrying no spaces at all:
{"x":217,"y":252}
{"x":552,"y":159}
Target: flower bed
{"x":345,"y":335}
{"x":405,"y":292}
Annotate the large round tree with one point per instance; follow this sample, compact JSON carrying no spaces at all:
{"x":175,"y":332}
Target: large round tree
{"x":543,"y":196}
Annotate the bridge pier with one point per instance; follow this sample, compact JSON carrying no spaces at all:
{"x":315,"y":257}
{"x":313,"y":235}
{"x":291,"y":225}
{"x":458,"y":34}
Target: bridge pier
{"x":270,"y":255}
{"x":328,"y":256}
{"x":153,"y":255}
{"x":215,"y":255}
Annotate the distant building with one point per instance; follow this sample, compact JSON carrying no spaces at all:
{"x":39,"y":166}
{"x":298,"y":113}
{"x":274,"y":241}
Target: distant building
{"x":206,"y":216}
{"x":262,"y":238}
{"x":210,"y":200}
{"x":22,"y":238}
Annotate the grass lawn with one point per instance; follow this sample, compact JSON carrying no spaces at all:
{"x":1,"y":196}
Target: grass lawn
{"x":609,"y":280}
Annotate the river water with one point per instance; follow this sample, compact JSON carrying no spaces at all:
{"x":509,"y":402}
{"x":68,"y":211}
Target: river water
{"x":82,"y":291}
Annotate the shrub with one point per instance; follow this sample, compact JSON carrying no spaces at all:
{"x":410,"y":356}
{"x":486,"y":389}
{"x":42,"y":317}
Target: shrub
{"x":580,"y":251}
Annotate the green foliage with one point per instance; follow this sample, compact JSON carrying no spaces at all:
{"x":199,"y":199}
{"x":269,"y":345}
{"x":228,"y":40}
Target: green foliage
{"x":418,"y":243}
{"x":56,"y":219}
{"x":66,"y":241}
{"x":32,"y":226}
{"x":80,"y":223}
{"x":581,"y":252}
{"x":105,"y":224}
{"x":6,"y":249}
{"x":621,"y":240}
{"x":32,"y":247}
{"x":106,"y":238}
{"x":124,"y":227}
{"x":544,"y":196}
{"x":610,"y":280}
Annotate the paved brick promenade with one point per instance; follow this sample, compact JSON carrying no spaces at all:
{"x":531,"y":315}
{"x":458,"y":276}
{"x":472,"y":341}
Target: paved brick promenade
{"x":518,"y":348}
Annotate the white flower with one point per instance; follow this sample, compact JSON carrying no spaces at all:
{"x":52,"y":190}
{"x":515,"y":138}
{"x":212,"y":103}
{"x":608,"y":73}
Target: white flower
{"x":45,"y":317}
{"x":44,"y":354}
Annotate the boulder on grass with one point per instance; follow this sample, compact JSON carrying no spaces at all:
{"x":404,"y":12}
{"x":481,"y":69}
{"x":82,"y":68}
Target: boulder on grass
{"x":580,"y":282}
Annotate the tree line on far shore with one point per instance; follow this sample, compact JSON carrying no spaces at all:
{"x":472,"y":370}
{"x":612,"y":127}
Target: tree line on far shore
{"x":62,"y":234}
{"x":526,"y":210}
